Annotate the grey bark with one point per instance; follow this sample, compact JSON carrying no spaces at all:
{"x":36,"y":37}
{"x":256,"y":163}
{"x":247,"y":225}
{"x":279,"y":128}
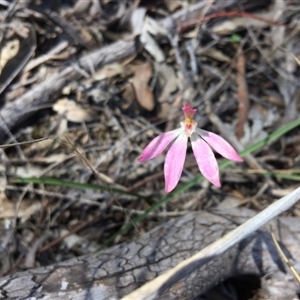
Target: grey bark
{"x":115,"y":272}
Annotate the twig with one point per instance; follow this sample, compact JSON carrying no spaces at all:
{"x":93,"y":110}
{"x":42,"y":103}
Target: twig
{"x":231,"y":14}
{"x":286,"y":260}
{"x":243,"y":98}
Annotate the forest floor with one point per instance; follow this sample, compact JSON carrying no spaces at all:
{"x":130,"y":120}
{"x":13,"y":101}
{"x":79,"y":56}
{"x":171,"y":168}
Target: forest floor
{"x":72,"y":125}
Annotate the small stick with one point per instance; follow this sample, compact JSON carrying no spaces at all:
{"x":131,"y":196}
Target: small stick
{"x":286,"y":260}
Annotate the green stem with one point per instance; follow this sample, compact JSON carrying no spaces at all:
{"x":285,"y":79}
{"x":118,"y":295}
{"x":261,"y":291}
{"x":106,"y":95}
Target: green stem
{"x":61,"y":182}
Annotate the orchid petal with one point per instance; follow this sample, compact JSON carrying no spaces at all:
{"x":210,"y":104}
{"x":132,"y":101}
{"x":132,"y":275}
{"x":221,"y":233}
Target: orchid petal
{"x":206,"y":160}
{"x":174,"y":162}
{"x":159,"y":144}
{"x":219,"y":145}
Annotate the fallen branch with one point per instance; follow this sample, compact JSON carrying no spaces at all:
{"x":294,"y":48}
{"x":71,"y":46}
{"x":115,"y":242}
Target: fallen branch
{"x":115,"y":272}
{"x":16,"y":112}
{"x":157,"y":286}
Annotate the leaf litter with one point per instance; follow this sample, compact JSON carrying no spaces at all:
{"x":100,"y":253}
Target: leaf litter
{"x":103,"y":120}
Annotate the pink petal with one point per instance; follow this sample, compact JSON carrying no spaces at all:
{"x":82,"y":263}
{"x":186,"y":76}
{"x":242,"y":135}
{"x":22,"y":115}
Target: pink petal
{"x":206,"y":160}
{"x":159,"y":144}
{"x":174,"y":162}
{"x":219,"y":145}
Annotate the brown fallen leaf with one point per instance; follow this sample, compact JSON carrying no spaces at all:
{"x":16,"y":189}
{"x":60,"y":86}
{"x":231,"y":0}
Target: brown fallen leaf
{"x":73,"y":112}
{"x":144,"y":95}
{"x":9,"y":209}
{"x":128,"y":94}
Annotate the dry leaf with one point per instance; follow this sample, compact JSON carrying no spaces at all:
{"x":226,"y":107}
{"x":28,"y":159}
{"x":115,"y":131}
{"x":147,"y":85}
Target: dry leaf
{"x":9,"y":51}
{"x":109,"y":71}
{"x":229,"y":203}
{"x":3,"y":180}
{"x":144,"y":95}
{"x":28,"y":171}
{"x":152,"y":47}
{"x":217,"y":55}
{"x":172,"y":5}
{"x":261,"y":118}
{"x":55,"y":158}
{"x":128,"y":94}
{"x":146,"y":27}
{"x":8,"y":209}
{"x":137,"y":20}
{"x":73,"y":112}
{"x":228,"y":26}
{"x":95,"y":9}
{"x":153,"y":27}
{"x":81,"y":6}
{"x":167,"y":79}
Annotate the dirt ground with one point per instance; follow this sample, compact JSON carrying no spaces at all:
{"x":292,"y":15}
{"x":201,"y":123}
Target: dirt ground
{"x":86,"y":85}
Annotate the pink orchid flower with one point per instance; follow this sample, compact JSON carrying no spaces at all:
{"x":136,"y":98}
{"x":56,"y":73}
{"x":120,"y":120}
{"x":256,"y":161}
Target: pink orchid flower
{"x":202,"y":142}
